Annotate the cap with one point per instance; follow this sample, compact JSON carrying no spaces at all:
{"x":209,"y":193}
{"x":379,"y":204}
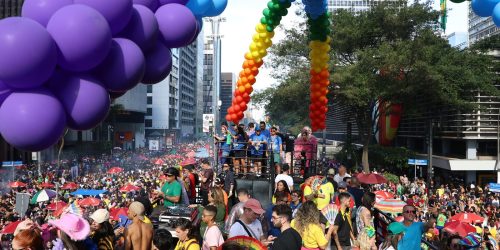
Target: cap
{"x":138,"y":209}
{"x":257,"y":128}
{"x":100,"y":216}
{"x":331,"y":171}
{"x":254,"y":205}
{"x":342,"y":184}
{"x":396,"y":228}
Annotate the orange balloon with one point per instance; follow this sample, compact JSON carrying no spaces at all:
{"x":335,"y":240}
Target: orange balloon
{"x":246,"y":64}
{"x":230,"y":110}
{"x":248,"y":85}
{"x":241,"y":89}
{"x":228,"y":117}
{"x":251,"y":79}
{"x":251,"y":63}
{"x":234,"y":118}
{"x":244,"y":80}
{"x":255,"y":71}
{"x":259,"y":62}
{"x":243,"y":106}
{"x":238,"y":99}
{"x":247,"y":72}
{"x":249,"y":90}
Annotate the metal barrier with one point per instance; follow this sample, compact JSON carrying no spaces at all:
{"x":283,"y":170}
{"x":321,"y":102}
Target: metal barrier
{"x":382,"y":220}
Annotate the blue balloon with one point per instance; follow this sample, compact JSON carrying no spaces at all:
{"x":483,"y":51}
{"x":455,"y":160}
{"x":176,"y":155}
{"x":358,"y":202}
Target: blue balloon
{"x":496,"y":15}
{"x":216,"y":8}
{"x":484,"y":8}
{"x":198,"y":7}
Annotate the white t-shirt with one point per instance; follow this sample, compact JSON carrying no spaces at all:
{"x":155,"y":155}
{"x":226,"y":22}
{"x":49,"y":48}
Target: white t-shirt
{"x":212,"y":238}
{"x":337,"y":178}
{"x":255,"y":228}
{"x":287,"y":178}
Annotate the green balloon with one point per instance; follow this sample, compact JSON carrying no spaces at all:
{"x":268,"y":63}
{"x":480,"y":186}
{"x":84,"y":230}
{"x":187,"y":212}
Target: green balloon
{"x":458,"y":1}
{"x":283,"y":12}
{"x":270,"y":5}
{"x":266,"y":12}
{"x":269,"y":28}
{"x":276,"y":7}
{"x":270,"y":22}
{"x":263,"y":20}
{"x":287,"y":4}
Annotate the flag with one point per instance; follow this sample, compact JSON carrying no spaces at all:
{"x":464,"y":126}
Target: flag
{"x":443,"y":14}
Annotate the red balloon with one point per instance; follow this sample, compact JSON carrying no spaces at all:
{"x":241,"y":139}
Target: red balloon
{"x":236,"y":108}
{"x":240,"y":113}
{"x":230,"y":110}
{"x":234,"y":117}
{"x":243,"y":106}
{"x":238,"y":99}
{"x":228,"y":117}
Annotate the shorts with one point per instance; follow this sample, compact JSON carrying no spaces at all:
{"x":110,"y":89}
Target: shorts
{"x":276,"y":157}
{"x":240,"y":153}
{"x":257,"y":158}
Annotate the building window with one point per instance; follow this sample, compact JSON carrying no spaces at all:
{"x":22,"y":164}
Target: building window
{"x":150,"y":100}
{"x":149,"y":112}
{"x":148,"y":123}
{"x":150,"y":89}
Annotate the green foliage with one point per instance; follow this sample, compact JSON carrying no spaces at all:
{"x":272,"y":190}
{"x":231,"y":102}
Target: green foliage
{"x":389,"y":157}
{"x":391,"y":177}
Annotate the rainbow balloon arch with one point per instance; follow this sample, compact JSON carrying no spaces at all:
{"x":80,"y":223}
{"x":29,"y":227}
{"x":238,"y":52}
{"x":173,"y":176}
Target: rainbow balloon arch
{"x":319,"y":27}
{"x":62,"y":60}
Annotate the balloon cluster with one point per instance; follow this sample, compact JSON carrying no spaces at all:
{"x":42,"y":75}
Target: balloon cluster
{"x":254,"y":57}
{"x":319,"y":28}
{"x":315,"y":8}
{"x":486,"y":8}
{"x":63,"y":59}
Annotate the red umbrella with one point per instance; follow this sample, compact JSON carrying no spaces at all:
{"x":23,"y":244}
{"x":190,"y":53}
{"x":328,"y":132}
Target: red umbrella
{"x":69,"y":185}
{"x":56,"y":205}
{"x":11,"y":227}
{"x":159,"y":162}
{"x":21,"y":167}
{"x":460,"y":228}
{"x":89,"y":202}
{"x":371,"y":178}
{"x":382,"y":195}
{"x":115,"y":213}
{"x":17,"y":184}
{"x":129,"y":188}
{"x":47,"y":185}
{"x":115,"y":170}
{"x":467,"y":217}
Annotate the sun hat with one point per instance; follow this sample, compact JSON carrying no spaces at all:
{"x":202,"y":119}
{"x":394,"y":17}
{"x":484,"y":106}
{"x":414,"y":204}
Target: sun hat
{"x":396,"y":228}
{"x":100,"y":216}
{"x":254,"y":205}
{"x":76,"y":227}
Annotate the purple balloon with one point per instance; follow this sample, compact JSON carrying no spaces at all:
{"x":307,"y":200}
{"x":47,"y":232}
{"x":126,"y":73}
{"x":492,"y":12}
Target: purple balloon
{"x":33,"y":120}
{"x":142,"y":28}
{"x":183,"y":2}
{"x":28,"y":55}
{"x":4,"y":92}
{"x":177,"y":25}
{"x":151,"y":4}
{"x":85,"y":100}
{"x":82,"y":35}
{"x":158,"y":64}
{"x":117,"y":12}
{"x":42,"y":10}
{"x":123,"y":68}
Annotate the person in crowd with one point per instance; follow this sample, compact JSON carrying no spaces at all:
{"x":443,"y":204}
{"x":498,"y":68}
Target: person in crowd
{"x":282,"y":188}
{"x":237,"y":210}
{"x":342,"y":173}
{"x":264,"y":130}
{"x":225,"y":143}
{"x":206,"y":180}
{"x":250,"y":129}
{"x":190,"y":182}
{"x":275,"y":146}
{"x":284,"y":175}
{"x":321,"y":197}
{"x":307,"y":224}
{"x":101,"y":230}
{"x":28,"y":238}
{"x":172,"y":189}
{"x":364,"y":216}
{"x":355,"y":191}
{"x":342,"y":227}
{"x":396,"y":231}
{"x":258,"y":143}
{"x":289,"y":238}
{"x":414,"y":230}
{"x":229,"y":183}
{"x":138,"y":235}
{"x":366,"y":239}
{"x":72,"y":232}
{"x":296,"y":201}
{"x":212,"y":236}
{"x":280,"y":198}
{"x":308,"y":144}
{"x":162,"y":240}
{"x":215,"y":199}
{"x":240,"y":146}
{"x":248,"y":223}
{"x":289,"y":147}
{"x":187,"y":235}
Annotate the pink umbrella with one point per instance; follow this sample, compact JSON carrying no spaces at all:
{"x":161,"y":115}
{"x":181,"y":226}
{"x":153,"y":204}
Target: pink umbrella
{"x":460,"y":228}
{"x":56,"y":205}
{"x":69,"y":185}
{"x":188,"y":161}
{"x":371,"y":178}
{"x":47,"y":185}
{"x":159,"y":162}
{"x":129,"y":188}
{"x":11,"y":227}
{"x":115,"y":170}
{"x":191,"y":154}
{"x":89,"y":202}
{"x":17,"y":184}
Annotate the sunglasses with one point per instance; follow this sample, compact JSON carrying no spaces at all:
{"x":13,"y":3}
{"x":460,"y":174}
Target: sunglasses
{"x":169,"y":175}
{"x":410,"y":212}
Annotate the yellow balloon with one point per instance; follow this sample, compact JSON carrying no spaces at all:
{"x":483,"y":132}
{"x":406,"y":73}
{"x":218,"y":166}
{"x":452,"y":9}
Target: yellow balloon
{"x":262,"y":53}
{"x":260,"y":28}
{"x":255,"y":54}
{"x":270,"y":34}
{"x":248,"y":56}
{"x":260,"y":45}
{"x":253,"y":46}
{"x":256,"y":37}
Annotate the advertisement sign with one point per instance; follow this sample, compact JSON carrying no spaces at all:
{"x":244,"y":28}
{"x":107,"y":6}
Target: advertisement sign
{"x":154,"y":145}
{"x":208,"y":121}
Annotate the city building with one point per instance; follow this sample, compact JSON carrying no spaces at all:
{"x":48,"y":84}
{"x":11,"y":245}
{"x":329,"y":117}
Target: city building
{"x":227,"y":86}
{"x":356,"y":5}
{"x":162,"y":116}
{"x":458,"y":40}
{"x":212,"y":68}
{"x":187,"y":90}
{"x":10,"y":8}
{"x":480,"y":27}
{"x":199,"y":85}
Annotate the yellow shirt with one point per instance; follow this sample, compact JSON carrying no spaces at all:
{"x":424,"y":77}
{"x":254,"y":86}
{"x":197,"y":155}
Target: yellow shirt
{"x":194,"y":245}
{"x":312,"y":237}
{"x":493,"y":232}
{"x":325,"y":189}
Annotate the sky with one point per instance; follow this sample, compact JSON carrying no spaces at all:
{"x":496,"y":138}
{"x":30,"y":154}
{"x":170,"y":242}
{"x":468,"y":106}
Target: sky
{"x":243,"y":15}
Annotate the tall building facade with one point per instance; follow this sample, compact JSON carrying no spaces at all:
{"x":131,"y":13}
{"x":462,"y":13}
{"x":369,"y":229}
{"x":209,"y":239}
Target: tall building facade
{"x":356,"y":5}
{"x":208,"y":75}
{"x":187,"y":90}
{"x":199,"y":85}
{"x":162,"y":116}
{"x":10,"y":8}
{"x":227,"y":86}
{"x":480,"y":27}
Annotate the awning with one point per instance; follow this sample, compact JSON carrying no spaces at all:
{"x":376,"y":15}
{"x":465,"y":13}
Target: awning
{"x":88,"y":192}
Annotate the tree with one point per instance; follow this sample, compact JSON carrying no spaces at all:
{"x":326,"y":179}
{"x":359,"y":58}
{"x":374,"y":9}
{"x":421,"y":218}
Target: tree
{"x":389,"y":52}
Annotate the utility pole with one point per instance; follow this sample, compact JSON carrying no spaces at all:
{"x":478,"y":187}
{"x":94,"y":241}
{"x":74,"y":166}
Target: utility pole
{"x":429,"y":145}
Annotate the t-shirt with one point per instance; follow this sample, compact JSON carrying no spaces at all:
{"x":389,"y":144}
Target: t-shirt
{"x":289,"y":142}
{"x":212,"y":238}
{"x":209,"y":174}
{"x":338,"y":178}
{"x":255,"y":229}
{"x":275,"y":143}
{"x":412,"y":237}
{"x":313,"y":236}
{"x":289,"y":239}
{"x":326,"y":189}
{"x":287,"y":178}
{"x":191,"y":244}
{"x":345,"y":228}
{"x":261,"y":147}
{"x":357,"y":194}
{"x":171,"y":189}
{"x":441,"y":220}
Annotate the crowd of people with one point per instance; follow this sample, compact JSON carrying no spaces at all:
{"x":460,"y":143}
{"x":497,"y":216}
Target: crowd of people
{"x":337,"y":213}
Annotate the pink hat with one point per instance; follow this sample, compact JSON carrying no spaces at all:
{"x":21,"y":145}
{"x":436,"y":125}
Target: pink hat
{"x":254,"y":205}
{"x":76,"y":227}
